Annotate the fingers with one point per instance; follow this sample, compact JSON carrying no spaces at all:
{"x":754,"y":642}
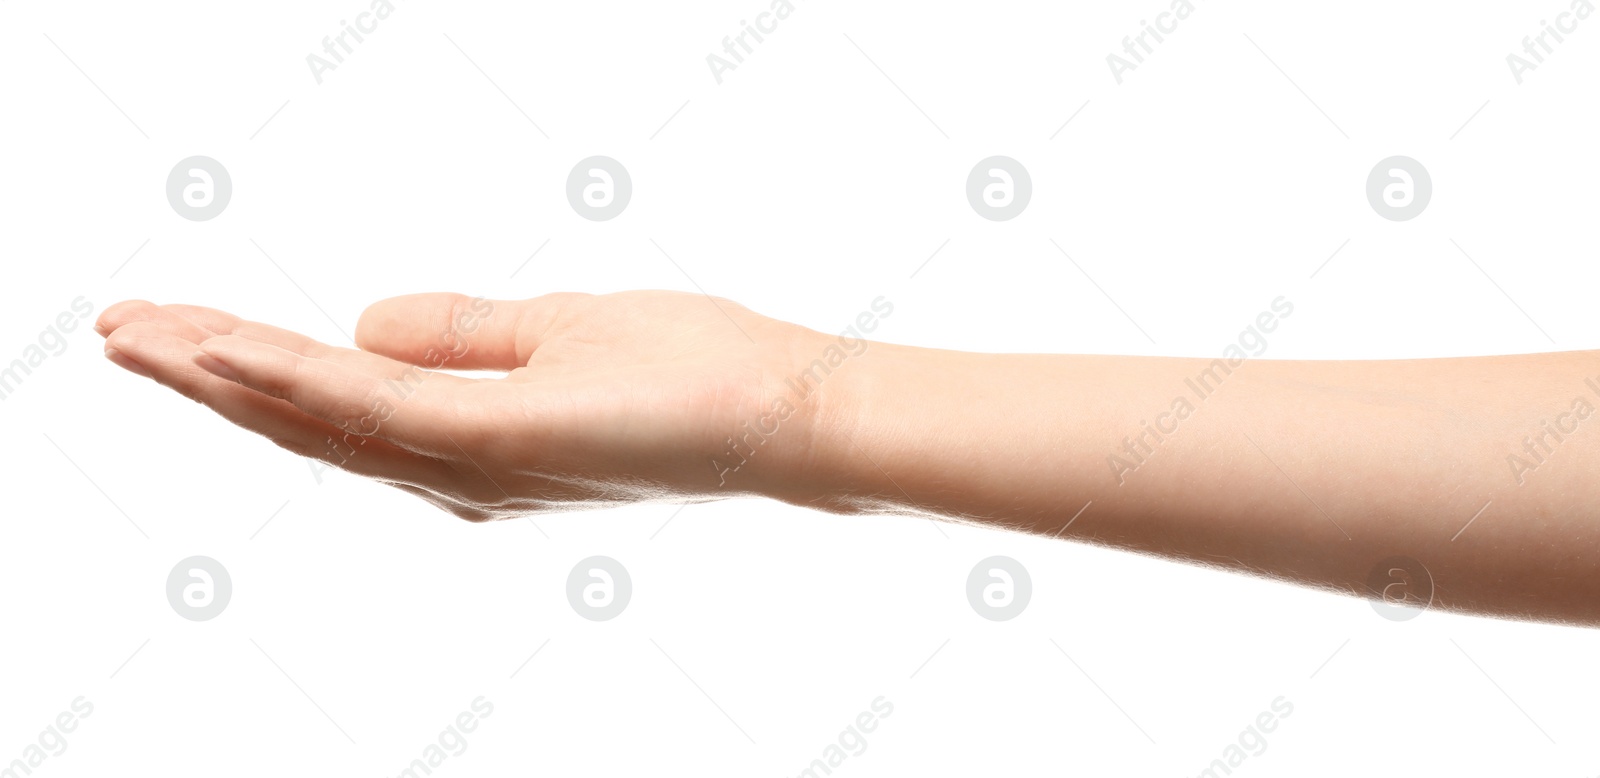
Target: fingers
{"x":196,"y":323}
{"x":440,"y":329}
{"x":223,"y":323}
{"x":166,"y":358}
{"x":412,"y":415}
{"x":130,"y":311}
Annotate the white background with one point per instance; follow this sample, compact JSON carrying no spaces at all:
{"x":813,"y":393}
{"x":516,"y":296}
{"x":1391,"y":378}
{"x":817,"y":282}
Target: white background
{"x":363,"y":621}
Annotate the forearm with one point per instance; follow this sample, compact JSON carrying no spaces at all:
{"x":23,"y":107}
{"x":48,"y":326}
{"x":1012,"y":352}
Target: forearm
{"x":1306,"y":471}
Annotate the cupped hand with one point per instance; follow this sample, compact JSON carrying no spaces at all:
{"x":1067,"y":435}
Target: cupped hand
{"x":600,"y":400}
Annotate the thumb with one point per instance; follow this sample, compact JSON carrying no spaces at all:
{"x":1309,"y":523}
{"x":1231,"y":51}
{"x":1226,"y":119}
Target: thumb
{"x":445,"y":329}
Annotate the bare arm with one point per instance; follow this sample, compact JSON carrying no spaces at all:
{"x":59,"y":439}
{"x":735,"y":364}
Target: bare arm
{"x":1323,"y":473}
{"x":1482,"y":469}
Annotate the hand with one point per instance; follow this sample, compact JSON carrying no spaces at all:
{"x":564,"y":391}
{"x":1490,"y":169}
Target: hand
{"x":605,"y":399}
{"x":637,"y":396}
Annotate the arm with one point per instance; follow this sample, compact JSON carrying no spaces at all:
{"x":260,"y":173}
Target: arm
{"x":1482,"y":469}
{"x":1312,"y":472}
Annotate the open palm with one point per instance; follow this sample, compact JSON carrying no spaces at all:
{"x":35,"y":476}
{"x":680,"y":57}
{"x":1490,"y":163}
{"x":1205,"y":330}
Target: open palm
{"x":600,"y":399}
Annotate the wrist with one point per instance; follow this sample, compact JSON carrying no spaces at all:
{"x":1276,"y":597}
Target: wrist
{"x":856,"y":447}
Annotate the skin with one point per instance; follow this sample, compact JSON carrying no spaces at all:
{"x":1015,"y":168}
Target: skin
{"x":1312,"y":472}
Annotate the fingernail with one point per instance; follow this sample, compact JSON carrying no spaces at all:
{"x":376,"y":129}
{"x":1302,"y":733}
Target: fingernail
{"x":214,"y":366}
{"x":101,"y":328}
{"x":123,"y":361}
